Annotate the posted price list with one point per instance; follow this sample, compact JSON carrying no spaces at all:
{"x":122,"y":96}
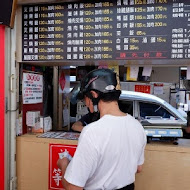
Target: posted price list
{"x":90,"y":31}
{"x":180,"y":47}
{"x":109,"y":30}
{"x":141,"y":30}
{"x":43,"y":37}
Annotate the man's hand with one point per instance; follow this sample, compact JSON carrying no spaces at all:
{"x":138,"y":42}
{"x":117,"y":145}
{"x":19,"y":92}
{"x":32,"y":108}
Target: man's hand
{"x":65,"y":154}
{"x":139,"y":168}
{"x":62,"y":164}
{"x":77,"y":126}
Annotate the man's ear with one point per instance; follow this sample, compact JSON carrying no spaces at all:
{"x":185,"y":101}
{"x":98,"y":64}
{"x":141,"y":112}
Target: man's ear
{"x":94,"y":94}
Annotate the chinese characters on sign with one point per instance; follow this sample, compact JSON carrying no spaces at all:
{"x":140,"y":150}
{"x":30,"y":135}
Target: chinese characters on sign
{"x":55,"y":175}
{"x":32,"y":88}
{"x":108,"y":30}
{"x":143,"y":88}
{"x":43,"y":37}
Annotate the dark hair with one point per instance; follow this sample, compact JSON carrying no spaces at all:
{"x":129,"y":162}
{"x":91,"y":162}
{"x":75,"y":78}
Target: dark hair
{"x":112,"y":96}
{"x":106,"y":97}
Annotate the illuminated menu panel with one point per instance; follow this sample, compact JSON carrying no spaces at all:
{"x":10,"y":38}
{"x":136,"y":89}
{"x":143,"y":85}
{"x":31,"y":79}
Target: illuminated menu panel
{"x":109,"y":30}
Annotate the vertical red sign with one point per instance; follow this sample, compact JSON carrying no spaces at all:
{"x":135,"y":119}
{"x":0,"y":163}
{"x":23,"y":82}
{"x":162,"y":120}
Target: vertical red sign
{"x":2,"y":106}
{"x":55,"y":174}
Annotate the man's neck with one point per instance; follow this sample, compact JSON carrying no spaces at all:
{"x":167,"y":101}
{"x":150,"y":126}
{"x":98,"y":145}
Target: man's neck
{"x":110,"y":108}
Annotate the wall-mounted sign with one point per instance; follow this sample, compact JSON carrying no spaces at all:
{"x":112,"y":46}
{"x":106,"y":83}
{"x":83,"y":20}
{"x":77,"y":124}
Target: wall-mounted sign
{"x":143,"y":88}
{"x":55,"y":174}
{"x":158,"y":88}
{"x":32,"y":88}
{"x":109,"y":30}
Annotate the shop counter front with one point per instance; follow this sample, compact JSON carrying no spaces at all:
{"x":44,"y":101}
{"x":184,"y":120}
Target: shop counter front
{"x":32,"y":161}
{"x":166,"y":167}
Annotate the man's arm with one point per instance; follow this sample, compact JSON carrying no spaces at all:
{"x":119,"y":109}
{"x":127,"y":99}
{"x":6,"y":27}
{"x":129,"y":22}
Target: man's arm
{"x":77,"y":126}
{"x":141,"y":158}
{"x":62,"y":164}
{"x":82,"y":122}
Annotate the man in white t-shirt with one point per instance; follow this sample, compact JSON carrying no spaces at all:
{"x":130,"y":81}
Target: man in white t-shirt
{"x":111,"y":150}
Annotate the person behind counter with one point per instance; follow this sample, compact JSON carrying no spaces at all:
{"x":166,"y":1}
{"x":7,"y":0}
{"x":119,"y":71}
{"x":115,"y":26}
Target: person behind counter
{"x":84,"y":120}
{"x":111,"y":150}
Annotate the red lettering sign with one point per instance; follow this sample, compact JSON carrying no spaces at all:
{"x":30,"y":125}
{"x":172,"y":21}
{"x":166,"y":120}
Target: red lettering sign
{"x":122,"y":55}
{"x":134,"y":55}
{"x":159,"y":54}
{"x":55,"y":174}
{"x":32,"y":77}
{"x":146,"y":54}
{"x":142,"y":88}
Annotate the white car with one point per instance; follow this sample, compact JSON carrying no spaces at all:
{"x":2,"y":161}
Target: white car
{"x":158,"y":117}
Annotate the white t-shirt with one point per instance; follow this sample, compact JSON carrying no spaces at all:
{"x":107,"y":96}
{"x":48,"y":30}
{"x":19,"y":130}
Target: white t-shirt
{"x":108,"y":153}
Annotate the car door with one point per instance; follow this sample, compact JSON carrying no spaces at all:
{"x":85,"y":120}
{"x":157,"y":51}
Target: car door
{"x":149,"y":110}
{"x":159,"y":121}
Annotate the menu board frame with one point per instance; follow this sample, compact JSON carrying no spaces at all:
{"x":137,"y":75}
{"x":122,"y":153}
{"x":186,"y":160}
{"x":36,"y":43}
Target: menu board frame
{"x":110,"y":30}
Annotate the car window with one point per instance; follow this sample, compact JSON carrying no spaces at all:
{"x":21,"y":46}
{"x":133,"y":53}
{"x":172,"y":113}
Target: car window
{"x":148,"y":111}
{"x":126,"y":106}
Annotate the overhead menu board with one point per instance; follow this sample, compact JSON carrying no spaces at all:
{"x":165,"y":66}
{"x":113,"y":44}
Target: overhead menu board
{"x":109,"y":30}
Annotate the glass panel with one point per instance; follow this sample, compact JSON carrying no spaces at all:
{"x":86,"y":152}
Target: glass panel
{"x":148,"y":110}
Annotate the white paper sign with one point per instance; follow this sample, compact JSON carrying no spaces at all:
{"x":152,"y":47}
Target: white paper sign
{"x":147,"y":71}
{"x":134,"y":70}
{"x":32,"y":88}
{"x":158,"y":89}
